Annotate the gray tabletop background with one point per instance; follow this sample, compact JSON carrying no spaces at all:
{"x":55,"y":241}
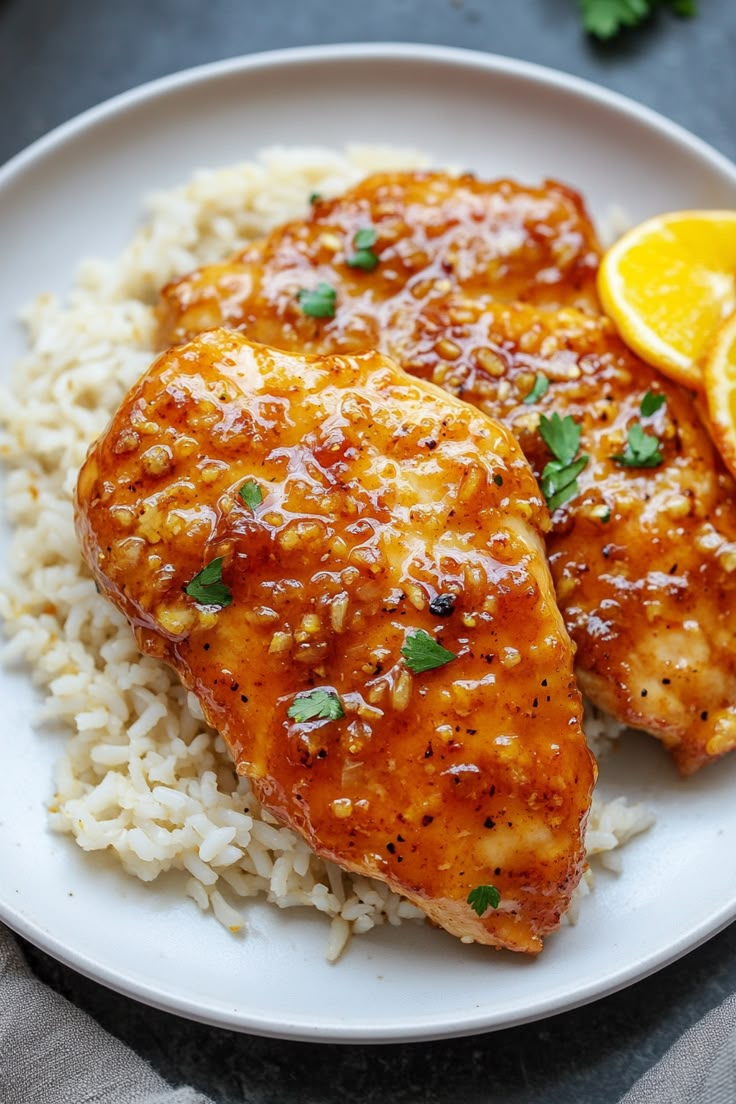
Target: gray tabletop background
{"x":58,"y":57}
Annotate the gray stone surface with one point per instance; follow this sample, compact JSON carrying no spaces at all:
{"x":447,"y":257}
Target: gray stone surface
{"x":58,"y":57}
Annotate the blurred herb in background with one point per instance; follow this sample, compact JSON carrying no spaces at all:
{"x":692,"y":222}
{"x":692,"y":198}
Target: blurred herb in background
{"x":605,"y":18}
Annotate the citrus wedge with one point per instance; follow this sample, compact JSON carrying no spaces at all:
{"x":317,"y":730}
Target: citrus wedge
{"x":720,"y":390}
{"x":668,"y":284}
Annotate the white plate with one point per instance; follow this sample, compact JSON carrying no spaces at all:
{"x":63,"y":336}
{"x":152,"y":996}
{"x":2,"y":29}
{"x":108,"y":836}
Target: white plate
{"x":78,"y":192}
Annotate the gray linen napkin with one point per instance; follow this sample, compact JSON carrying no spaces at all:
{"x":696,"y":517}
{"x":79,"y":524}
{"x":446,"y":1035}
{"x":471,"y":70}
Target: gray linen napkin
{"x":52,"y":1053}
{"x":700,"y":1068}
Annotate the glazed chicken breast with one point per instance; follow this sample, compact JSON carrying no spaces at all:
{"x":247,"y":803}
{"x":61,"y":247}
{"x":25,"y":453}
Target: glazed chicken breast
{"x":346,"y":566}
{"x":643,"y":557}
{"x":430,"y":233}
{"x":480,"y":287}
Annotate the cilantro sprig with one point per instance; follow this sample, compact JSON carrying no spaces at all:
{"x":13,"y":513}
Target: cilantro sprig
{"x":207,"y":586}
{"x":364,"y":256}
{"x":484,"y":897}
{"x":605,"y":18}
{"x":422,"y":652}
{"x":316,"y":705}
{"x":559,"y":481}
{"x":319,"y":302}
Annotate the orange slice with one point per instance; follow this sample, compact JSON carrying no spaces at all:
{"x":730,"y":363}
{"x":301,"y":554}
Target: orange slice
{"x":720,"y":391}
{"x":668,"y":284}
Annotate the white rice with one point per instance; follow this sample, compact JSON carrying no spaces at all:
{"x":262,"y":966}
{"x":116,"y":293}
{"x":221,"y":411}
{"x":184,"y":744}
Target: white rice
{"x":142,"y":776}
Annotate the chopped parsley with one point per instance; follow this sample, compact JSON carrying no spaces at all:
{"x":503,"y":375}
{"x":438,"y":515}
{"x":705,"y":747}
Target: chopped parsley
{"x":605,"y":18}
{"x":365,"y":238}
{"x":559,"y":481}
{"x":318,"y":302}
{"x":364,"y":256}
{"x":642,"y":450}
{"x":422,"y":652}
{"x":484,"y":897}
{"x":315,"y":197}
{"x":539,"y":388}
{"x":651,"y":403}
{"x":561,"y":436}
{"x":251,"y":494}
{"x":207,"y":587}
{"x":317,"y":705}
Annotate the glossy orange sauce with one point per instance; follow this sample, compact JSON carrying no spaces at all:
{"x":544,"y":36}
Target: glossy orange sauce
{"x":379,"y":495}
{"x":479,"y":287}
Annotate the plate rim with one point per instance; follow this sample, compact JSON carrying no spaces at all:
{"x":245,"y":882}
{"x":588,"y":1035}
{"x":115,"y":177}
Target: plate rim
{"x":361,"y":51}
{"x":454,"y":57}
{"x":419,"y":1030}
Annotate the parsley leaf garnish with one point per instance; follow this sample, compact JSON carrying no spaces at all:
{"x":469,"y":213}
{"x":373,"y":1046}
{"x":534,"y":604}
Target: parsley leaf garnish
{"x":318,"y":302}
{"x":365,"y":238}
{"x":559,"y":480}
{"x":642,"y":450}
{"x":651,"y":403}
{"x":605,"y":18}
{"x":483,"y":897}
{"x":315,"y":197}
{"x":207,"y":587}
{"x":317,"y":705}
{"x":422,"y":652}
{"x":251,"y":494}
{"x":364,"y":257}
{"x":561,"y":436}
{"x":539,"y":388}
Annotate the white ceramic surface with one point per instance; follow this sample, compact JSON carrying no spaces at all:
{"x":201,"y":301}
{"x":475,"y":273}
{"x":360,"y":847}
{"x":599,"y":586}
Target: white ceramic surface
{"x":78,"y":192}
